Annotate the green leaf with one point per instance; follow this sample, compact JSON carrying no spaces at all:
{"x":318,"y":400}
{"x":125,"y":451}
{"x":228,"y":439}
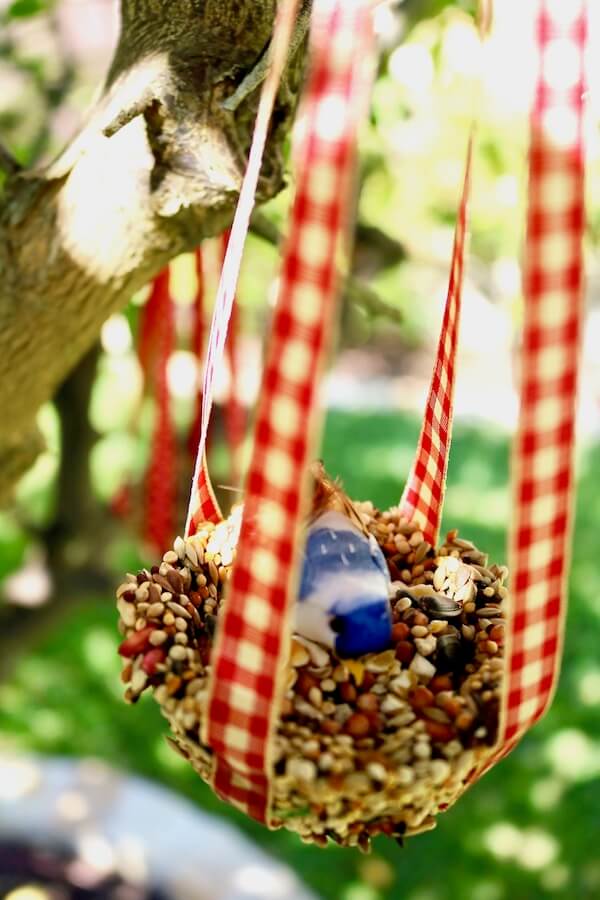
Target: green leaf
{"x":21,"y":9}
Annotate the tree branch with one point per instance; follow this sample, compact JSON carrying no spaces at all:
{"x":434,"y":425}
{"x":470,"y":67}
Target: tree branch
{"x":78,"y":238}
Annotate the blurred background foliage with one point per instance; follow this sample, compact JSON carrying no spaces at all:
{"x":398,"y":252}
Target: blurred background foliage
{"x":529,"y":829}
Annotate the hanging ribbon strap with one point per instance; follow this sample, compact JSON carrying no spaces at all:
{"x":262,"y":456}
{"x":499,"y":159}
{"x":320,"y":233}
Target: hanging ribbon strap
{"x":423,"y":497}
{"x":253,"y":638}
{"x":157,"y":342}
{"x":203,"y":504}
{"x":554,"y":311}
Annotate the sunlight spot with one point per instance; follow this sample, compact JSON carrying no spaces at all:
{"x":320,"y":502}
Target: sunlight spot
{"x":17,"y":778}
{"x":589,"y":688}
{"x":487,"y":890}
{"x":573,"y":755}
{"x":502,"y":840}
{"x":255,"y":880}
{"x":358,"y":891}
{"x":377,"y":872}
{"x":546,"y":793}
{"x":116,"y":336}
{"x":28,"y":892}
{"x":506,"y":275}
{"x":462,"y":48}
{"x":182,"y":372}
{"x":555,"y":877}
{"x":506,"y":190}
{"x":131,"y":858}
{"x":387,"y":24}
{"x":537,"y":849}
{"x":183,"y":279}
{"x":411,"y":66}
{"x":99,"y":651}
{"x":31,"y":585}
{"x":72,"y":806}
{"x":47,"y":725}
{"x":95,"y":850}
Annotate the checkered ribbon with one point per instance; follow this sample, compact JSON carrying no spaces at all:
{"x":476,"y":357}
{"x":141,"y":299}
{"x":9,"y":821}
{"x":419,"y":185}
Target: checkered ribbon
{"x":554,"y":312}
{"x":253,"y":637}
{"x":423,"y":496}
{"x":203,"y":505}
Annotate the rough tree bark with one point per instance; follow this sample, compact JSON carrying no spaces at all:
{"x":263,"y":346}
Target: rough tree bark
{"x":155,"y":169}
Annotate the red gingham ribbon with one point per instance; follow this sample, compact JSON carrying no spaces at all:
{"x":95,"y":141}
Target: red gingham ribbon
{"x":423,"y":497}
{"x":253,"y":640}
{"x":543,"y":467}
{"x":203,"y":504}
{"x":160,"y":485}
{"x":197,"y":348}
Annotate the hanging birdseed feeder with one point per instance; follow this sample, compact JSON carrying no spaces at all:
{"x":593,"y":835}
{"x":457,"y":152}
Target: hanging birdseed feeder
{"x":363,"y":695}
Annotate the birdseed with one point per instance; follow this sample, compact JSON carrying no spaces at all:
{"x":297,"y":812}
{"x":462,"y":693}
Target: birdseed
{"x":376,"y":745}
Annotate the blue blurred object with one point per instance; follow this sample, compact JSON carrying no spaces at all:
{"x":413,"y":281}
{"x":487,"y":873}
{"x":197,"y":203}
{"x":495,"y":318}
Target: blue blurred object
{"x":343,"y":601}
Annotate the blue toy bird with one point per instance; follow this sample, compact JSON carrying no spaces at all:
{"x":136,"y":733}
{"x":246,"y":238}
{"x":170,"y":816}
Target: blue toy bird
{"x":343,"y":600}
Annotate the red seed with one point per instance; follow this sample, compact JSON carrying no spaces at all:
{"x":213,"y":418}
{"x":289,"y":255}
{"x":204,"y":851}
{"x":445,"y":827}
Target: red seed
{"x":440,"y":683}
{"x":497,"y":634}
{"x":464,"y":721}
{"x":421,"y":697}
{"x":305,"y":682}
{"x":347,"y":692}
{"x":375,"y":721}
{"x":137,"y":643}
{"x":368,"y":681}
{"x":330,"y":726}
{"x":152,"y":659}
{"x":452,"y":706}
{"x":368,"y":703}
{"x":126,"y":673}
{"x":357,"y":725}
{"x":405,"y":651}
{"x":439,"y":731}
{"x":400,"y":632}
{"x":287,"y":707}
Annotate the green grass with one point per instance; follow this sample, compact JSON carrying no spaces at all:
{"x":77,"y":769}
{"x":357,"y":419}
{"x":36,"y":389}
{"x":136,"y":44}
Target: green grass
{"x":528,"y":830}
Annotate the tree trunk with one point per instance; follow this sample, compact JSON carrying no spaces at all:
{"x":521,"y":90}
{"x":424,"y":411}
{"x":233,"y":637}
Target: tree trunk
{"x":156,"y":168}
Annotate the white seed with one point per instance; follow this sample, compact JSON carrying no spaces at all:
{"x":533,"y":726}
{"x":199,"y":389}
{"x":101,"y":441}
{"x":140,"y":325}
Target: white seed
{"x":419,"y":631}
{"x":138,"y":681}
{"x":392,"y":704}
{"x":315,"y":696}
{"x":155,"y":610}
{"x":405,"y":775}
{"x":127,"y":612}
{"x":300,"y":655}
{"x":301,"y":769}
{"x":179,"y":547}
{"x":178,"y":652}
{"x":426,"y":646}
{"x":439,"y":771}
{"x":158,"y":637}
{"x":422,"y":667}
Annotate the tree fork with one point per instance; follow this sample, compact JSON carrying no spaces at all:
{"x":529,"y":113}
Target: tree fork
{"x":155,"y":169}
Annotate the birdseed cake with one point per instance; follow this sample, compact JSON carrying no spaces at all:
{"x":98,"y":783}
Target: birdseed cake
{"x":378,"y":744}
